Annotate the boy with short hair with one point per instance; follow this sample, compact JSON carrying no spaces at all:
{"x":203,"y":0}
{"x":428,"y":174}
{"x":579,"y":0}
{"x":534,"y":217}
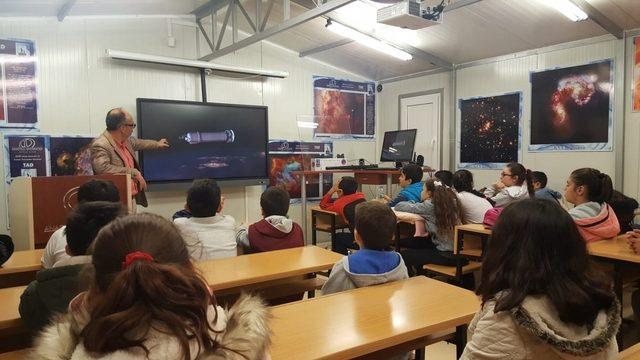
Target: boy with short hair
{"x":375,"y":224}
{"x":348,"y":197}
{"x":53,"y":289}
{"x":275,"y":231}
{"x":410,"y":177}
{"x":207,"y":234}
{"x":539,"y":182}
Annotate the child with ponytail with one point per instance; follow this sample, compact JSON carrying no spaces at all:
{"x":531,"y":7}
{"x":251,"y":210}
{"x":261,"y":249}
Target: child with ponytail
{"x":515,"y":184}
{"x":147,"y":301}
{"x":590,"y":190}
{"x":442,"y":213}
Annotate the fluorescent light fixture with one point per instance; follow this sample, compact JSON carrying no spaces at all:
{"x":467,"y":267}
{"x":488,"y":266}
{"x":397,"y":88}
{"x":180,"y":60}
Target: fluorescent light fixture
{"x":368,"y":41}
{"x":568,"y":9}
{"x":125,"y":55}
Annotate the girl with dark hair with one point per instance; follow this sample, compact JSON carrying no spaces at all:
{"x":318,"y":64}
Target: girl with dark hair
{"x":474,"y":205}
{"x":515,"y":184}
{"x":540,"y":297}
{"x":590,"y":191}
{"x":441,"y":213}
{"x":147,"y":301}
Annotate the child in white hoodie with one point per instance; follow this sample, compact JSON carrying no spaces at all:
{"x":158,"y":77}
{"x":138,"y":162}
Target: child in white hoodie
{"x":515,"y":184}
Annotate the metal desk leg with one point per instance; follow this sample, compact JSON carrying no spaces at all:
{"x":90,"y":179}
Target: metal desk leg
{"x":461,"y":340}
{"x":420,"y":354}
{"x":303,"y":200}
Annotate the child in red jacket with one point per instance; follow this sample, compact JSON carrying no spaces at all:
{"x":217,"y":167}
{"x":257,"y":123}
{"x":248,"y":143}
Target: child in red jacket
{"x":275,"y":231}
{"x":347,"y":191}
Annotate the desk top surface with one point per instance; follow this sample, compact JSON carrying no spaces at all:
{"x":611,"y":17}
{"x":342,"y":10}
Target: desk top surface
{"x":272,"y":265}
{"x":10,"y":299}
{"x":616,"y":249}
{"x":365,"y":320}
{"x":476,"y":228}
{"x":22,"y":261}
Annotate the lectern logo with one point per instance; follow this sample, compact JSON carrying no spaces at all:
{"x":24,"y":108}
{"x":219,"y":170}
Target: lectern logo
{"x":27,"y":143}
{"x":70,"y":198}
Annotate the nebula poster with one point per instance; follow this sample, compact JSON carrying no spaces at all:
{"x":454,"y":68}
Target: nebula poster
{"x":285,"y":157}
{"x":571,"y":108}
{"x":343,"y":109}
{"x":489,"y":131}
{"x":70,"y":155}
{"x":18,"y":97}
{"x":636,"y":75}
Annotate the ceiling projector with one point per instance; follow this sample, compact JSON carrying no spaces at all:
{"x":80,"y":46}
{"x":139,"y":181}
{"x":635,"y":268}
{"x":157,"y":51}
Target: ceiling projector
{"x":411,"y":14}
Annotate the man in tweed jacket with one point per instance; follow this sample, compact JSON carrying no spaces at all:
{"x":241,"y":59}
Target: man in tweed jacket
{"x":113,"y":152}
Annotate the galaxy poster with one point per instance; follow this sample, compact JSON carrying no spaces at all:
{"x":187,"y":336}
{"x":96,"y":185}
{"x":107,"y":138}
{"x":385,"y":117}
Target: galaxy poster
{"x":70,"y":155}
{"x":490,"y":131}
{"x":636,"y":75}
{"x":344,"y":109}
{"x":18,"y":97}
{"x":286,"y":157}
{"x":571,"y":108}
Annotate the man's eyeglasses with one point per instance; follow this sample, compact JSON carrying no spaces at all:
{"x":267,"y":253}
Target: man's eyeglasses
{"x":133,"y":126}
{"x":504,"y":174}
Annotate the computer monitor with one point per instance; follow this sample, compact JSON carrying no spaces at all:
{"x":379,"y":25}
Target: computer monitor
{"x":398,"y":145}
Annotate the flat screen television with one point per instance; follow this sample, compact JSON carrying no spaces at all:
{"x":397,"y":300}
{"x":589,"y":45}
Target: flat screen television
{"x":398,"y":145}
{"x":224,"y":142}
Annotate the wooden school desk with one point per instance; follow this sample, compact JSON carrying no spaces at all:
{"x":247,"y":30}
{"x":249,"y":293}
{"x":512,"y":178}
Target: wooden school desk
{"x":13,"y":333}
{"x":401,"y":315}
{"x":21,"y":268}
{"x":617,"y":252}
{"x":231,"y":275}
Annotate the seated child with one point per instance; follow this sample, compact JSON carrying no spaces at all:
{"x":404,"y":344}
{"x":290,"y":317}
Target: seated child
{"x":474,"y":205}
{"x":275,"y":231}
{"x":515,"y":184}
{"x":541,"y":296}
{"x":625,"y":208}
{"x":375,"y":224}
{"x":441,"y":213}
{"x":53,"y":289}
{"x":92,"y":190}
{"x":409,"y":181}
{"x":348,"y":194}
{"x":590,"y":191}
{"x":539,"y":182}
{"x":208,"y":234}
{"x":445,"y":176}
{"x":147,"y":301}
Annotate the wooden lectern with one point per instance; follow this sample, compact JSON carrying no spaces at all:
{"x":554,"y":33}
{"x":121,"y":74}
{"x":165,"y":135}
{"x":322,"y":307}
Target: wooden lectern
{"x":38,"y":206}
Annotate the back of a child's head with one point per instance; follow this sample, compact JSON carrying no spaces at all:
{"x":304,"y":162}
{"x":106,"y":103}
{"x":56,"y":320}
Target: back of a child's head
{"x":445,"y":176}
{"x":375,"y":223}
{"x":143,"y":278}
{"x":539,"y":177}
{"x":348,"y":185}
{"x":598,"y":184}
{"x":98,"y":190}
{"x":203,"y":198}
{"x":536,"y":249}
{"x":445,"y":205}
{"x":274,"y":201}
{"x":85,"y":221}
{"x":412,"y":172}
{"x":462,"y":180}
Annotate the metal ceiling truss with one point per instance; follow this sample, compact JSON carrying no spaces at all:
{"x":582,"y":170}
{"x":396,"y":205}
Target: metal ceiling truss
{"x":258,"y":24}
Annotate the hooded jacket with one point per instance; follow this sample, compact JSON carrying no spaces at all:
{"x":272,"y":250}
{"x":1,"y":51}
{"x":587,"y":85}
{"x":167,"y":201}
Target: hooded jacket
{"x":533,"y":330}
{"x":507,"y":195}
{"x":273,"y":233}
{"x":338,"y":205}
{"x":343,"y":278}
{"x":244,"y":328}
{"x":595,"y":221}
{"x":546,"y":193}
{"x":409,"y":193}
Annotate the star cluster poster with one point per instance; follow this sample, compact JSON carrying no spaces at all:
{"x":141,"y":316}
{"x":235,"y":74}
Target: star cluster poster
{"x":489,"y":131}
{"x":571,"y":108}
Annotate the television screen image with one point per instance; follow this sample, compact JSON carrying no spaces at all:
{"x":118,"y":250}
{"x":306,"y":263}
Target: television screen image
{"x":398,"y":145}
{"x":207,"y":140}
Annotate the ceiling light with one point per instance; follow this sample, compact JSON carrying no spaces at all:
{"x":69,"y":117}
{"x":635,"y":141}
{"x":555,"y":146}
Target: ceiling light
{"x":368,"y":41}
{"x":568,"y":9}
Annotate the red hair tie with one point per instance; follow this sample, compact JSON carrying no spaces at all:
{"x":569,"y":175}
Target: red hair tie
{"x":136,"y":255}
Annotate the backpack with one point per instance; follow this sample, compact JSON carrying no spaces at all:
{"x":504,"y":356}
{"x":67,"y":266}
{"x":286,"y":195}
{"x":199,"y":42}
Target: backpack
{"x":491,"y":216}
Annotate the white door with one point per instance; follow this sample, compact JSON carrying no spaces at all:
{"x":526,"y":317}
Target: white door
{"x":423,"y":113}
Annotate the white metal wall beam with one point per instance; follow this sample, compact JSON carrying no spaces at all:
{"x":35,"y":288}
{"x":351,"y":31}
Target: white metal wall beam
{"x":65,"y":9}
{"x":600,"y":18}
{"x":286,"y":25}
{"x":210,"y":7}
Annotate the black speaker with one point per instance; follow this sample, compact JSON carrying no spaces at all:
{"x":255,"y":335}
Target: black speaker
{"x":420,"y":160}
{"x":361,"y":162}
{"x":398,"y":165}
{"x":379,"y":87}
